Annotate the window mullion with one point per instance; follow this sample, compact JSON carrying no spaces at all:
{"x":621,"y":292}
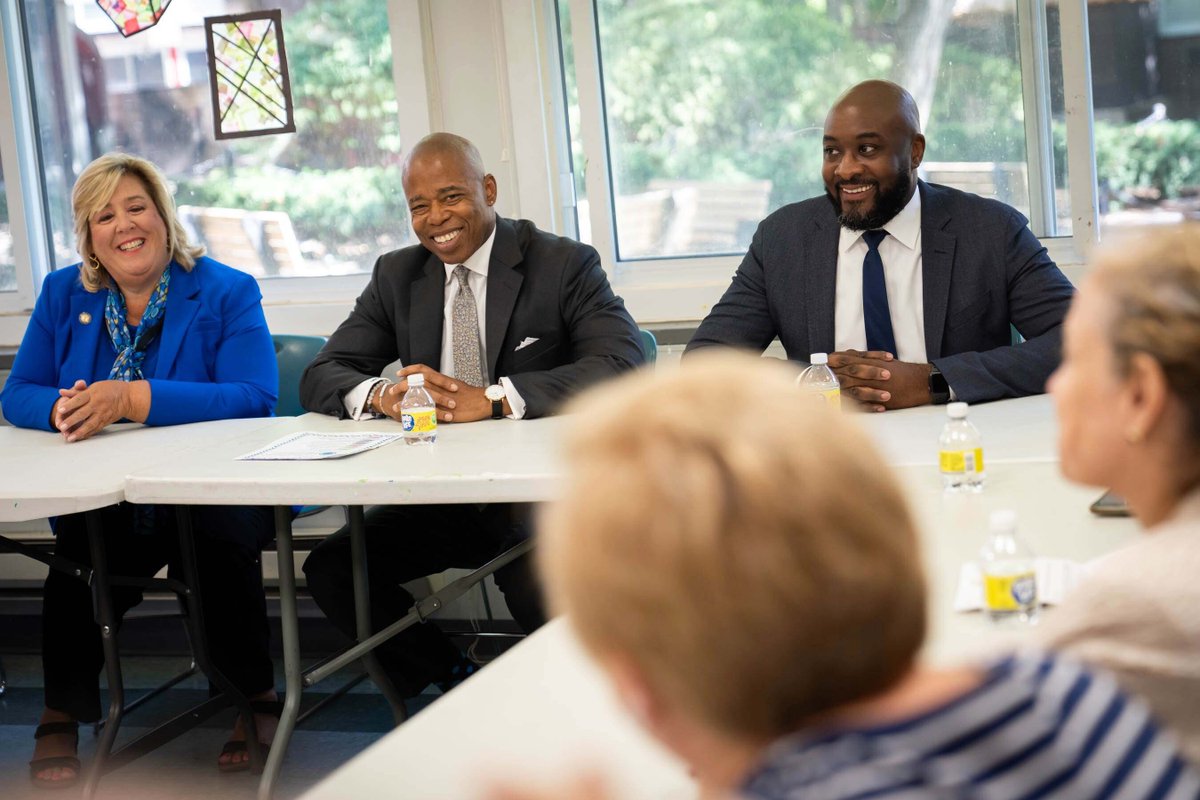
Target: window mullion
{"x":1077,"y":100}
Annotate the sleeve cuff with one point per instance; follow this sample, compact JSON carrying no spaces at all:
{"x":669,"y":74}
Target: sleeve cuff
{"x":355,"y":399}
{"x":515,"y":402}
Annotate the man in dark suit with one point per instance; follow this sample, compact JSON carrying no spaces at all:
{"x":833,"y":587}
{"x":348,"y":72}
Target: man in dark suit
{"x":503,"y":320}
{"x":910,"y":287}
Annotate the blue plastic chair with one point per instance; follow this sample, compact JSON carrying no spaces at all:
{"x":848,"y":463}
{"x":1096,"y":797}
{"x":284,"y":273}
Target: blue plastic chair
{"x":649,"y":346}
{"x":293,"y":353}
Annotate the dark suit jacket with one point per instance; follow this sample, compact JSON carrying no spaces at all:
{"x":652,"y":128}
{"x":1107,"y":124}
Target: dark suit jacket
{"x":982,"y":270}
{"x":538,"y":286}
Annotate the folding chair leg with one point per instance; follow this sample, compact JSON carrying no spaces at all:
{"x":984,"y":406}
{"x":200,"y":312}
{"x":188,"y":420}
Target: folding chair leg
{"x":102,"y":603}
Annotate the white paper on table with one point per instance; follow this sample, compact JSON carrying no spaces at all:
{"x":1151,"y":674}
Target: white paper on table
{"x":1056,"y":577}
{"x":311,"y":446}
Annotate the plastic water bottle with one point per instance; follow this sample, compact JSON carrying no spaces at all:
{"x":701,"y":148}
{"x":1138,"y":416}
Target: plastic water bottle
{"x":960,"y":452}
{"x":818,"y":379}
{"x":418,"y":414}
{"x":1009,"y":576}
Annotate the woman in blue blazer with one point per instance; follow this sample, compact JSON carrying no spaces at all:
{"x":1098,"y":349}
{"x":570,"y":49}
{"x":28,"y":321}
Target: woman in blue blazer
{"x":147,"y":330}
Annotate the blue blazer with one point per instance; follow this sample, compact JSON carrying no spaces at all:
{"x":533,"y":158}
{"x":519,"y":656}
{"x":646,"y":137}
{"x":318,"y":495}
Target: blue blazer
{"x":982,"y":270}
{"x":215,"y":358}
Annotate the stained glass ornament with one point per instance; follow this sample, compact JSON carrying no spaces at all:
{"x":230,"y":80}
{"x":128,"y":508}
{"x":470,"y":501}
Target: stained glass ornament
{"x":247,"y":67}
{"x":134,"y":16}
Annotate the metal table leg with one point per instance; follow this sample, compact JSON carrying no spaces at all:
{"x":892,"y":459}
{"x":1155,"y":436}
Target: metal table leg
{"x":102,"y":603}
{"x":291,"y":650}
{"x":362,"y":612}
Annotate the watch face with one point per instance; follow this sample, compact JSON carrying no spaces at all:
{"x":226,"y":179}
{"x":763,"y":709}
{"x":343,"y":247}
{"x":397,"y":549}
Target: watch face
{"x":494,"y":392}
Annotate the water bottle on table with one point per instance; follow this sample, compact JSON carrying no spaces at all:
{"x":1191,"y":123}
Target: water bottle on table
{"x":818,"y":379}
{"x":1009,"y":576}
{"x":960,"y":452}
{"x":418,"y":414}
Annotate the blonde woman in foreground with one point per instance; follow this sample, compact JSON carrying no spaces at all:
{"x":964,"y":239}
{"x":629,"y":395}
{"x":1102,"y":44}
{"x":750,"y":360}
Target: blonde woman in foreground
{"x":744,"y":568}
{"x":1128,"y":401}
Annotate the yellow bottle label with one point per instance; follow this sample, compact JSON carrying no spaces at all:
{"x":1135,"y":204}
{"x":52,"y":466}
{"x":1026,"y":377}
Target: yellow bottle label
{"x":419,"y":421}
{"x":956,"y":461}
{"x":1009,"y":592}
{"x":833,"y":398}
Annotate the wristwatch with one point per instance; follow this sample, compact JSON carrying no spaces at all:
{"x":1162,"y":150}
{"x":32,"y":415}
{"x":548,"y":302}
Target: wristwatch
{"x":495,"y":393}
{"x":939,"y":389}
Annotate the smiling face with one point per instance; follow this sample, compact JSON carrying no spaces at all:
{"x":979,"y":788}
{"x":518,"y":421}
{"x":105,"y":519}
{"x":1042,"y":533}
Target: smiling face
{"x":871,"y":154}
{"x":129,"y":236}
{"x":451,"y":203}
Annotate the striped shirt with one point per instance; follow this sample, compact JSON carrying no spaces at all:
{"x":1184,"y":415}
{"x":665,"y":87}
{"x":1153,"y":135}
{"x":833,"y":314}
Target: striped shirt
{"x":1038,"y":726}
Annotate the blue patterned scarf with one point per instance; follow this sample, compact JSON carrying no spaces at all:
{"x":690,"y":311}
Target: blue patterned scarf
{"x":131,"y":351}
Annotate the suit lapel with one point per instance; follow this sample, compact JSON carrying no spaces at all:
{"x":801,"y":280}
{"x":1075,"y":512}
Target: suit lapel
{"x":937,"y":262}
{"x":181,"y":310}
{"x":425,"y":315}
{"x":504,"y":284}
{"x":85,"y":336}
{"x":820,"y":277}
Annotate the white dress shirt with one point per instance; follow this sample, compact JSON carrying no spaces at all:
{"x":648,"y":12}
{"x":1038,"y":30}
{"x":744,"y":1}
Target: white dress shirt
{"x":900,"y":252}
{"x":477,"y":270}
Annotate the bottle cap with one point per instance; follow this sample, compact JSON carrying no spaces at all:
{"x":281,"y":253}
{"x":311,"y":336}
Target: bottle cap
{"x":416,"y":379}
{"x":819,"y":358}
{"x":1004,"y":519}
{"x":956,"y":410}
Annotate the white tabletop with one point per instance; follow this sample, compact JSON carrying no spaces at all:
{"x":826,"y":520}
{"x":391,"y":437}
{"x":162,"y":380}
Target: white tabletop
{"x":490,"y":461}
{"x":543,"y":709}
{"x":42,"y":475}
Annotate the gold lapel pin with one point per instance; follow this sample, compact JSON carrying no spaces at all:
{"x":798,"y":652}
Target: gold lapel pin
{"x":85,"y":318}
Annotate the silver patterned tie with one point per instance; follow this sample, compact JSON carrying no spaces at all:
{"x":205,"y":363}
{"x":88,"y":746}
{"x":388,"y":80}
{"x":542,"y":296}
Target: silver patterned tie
{"x":467,"y":366}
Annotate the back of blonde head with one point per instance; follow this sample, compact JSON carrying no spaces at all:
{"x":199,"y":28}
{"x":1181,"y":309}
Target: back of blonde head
{"x":742,"y":545}
{"x":1152,"y":278}
{"x":94,"y":188}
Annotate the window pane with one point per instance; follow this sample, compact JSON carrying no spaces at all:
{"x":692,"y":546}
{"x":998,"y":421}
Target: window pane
{"x":8,"y":269}
{"x":1145,"y":87}
{"x":323,"y":201}
{"x":715,"y":109}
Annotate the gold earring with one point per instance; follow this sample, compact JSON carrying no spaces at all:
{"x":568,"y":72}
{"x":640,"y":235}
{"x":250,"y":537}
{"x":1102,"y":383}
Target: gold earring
{"x":94,"y":262}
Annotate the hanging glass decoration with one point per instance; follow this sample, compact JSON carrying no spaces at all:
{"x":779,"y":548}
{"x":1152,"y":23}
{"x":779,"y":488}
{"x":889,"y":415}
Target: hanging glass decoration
{"x":247,"y":67}
{"x":134,"y":16}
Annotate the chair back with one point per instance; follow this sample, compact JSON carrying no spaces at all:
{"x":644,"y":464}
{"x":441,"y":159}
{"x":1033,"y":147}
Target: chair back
{"x":649,"y":345}
{"x":293,"y":354}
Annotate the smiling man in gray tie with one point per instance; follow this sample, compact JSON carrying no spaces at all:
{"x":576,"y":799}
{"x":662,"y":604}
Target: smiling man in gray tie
{"x":912,"y":288}
{"x":503,"y":320}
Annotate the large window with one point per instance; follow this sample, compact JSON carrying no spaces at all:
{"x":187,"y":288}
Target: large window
{"x":1145,"y":65}
{"x":8,"y":271}
{"x":691,"y":121}
{"x":325,"y":200}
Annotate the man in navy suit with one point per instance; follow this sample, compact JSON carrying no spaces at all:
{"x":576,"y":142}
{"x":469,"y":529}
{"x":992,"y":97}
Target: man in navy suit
{"x":482,"y":301}
{"x":910,"y":287}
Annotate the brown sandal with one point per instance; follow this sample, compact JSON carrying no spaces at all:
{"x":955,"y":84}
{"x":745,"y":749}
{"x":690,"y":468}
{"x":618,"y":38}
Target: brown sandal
{"x":50,"y":762}
{"x":273,"y":708}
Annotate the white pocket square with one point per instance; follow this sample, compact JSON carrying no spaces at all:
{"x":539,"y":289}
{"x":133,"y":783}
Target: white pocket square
{"x":528,"y":340}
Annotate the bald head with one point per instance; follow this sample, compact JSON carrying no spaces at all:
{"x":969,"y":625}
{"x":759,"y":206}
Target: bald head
{"x":886,"y":98}
{"x":443,"y":145}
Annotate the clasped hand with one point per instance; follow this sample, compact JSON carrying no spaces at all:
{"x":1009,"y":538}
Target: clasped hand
{"x":83,"y":410}
{"x":878,"y":381}
{"x":455,"y":400}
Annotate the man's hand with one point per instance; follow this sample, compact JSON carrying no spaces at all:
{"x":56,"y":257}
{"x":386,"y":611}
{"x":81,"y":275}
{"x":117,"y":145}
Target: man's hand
{"x":82,"y":410}
{"x":878,"y":381}
{"x":455,"y":400}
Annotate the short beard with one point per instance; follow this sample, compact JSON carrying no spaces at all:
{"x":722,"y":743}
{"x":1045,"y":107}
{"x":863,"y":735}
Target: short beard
{"x":887,"y":205}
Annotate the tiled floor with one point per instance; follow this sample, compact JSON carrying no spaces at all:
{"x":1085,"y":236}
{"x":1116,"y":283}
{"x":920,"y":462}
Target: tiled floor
{"x":186,"y":768}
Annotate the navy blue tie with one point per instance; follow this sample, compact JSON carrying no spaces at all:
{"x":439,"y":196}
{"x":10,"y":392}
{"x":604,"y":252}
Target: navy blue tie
{"x":876,"y":315}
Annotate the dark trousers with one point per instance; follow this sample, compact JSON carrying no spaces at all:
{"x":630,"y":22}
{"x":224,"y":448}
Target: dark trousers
{"x":140,"y":540}
{"x":404,"y":543}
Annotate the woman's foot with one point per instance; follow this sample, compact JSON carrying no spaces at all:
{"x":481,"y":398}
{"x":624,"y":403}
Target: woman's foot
{"x":54,"y":764}
{"x":235,"y":756}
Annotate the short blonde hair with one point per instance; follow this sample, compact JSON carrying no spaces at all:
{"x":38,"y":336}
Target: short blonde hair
{"x":94,"y":189}
{"x":745,"y":547}
{"x":1152,"y":278}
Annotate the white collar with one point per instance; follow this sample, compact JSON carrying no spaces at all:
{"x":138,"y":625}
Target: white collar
{"x":905,"y":227}
{"x":477,"y":261}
